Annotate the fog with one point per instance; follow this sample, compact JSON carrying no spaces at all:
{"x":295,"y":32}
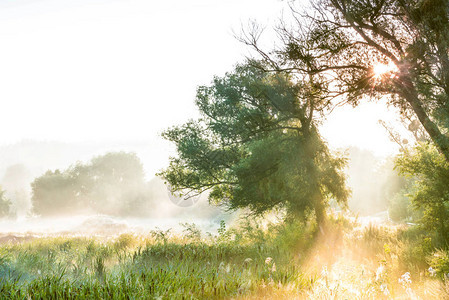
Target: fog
{"x":122,"y":86}
{"x":371,"y":178}
{"x":153,"y":205}
{"x":373,"y":181}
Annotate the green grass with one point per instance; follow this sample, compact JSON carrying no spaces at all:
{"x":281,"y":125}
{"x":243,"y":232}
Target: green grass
{"x":131,"y":267}
{"x":281,"y":261}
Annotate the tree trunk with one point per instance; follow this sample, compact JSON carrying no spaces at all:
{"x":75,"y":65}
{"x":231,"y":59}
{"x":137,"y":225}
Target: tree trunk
{"x":320,"y":214}
{"x":315,"y":191}
{"x":411,"y":96}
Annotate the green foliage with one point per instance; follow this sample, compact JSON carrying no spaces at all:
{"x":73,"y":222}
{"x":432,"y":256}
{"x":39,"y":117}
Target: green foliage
{"x":415,"y":252}
{"x":430,"y":194}
{"x":110,"y":184}
{"x":191,"y":232}
{"x":124,"y":241}
{"x":440,"y":263}
{"x":256,"y":146}
{"x":53,"y":192}
{"x":400,"y":208}
{"x":339,"y":43}
{"x":160,"y":235}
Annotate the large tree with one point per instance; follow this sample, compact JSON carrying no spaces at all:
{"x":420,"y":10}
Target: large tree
{"x":394,"y":48}
{"x":256,"y":146}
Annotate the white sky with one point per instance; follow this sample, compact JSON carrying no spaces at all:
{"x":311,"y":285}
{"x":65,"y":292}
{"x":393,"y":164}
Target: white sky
{"x":124,"y":70}
{"x":359,"y":126}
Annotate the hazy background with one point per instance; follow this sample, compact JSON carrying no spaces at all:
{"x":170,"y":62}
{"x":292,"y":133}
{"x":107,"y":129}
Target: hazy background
{"x":82,"y":78}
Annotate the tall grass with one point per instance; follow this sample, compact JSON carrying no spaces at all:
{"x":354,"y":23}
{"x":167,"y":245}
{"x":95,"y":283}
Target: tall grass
{"x":284,"y":260}
{"x":157,"y":266}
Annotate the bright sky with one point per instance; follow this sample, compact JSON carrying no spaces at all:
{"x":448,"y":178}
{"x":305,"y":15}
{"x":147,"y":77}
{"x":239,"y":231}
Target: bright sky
{"x":123,"y":70}
{"x":348,"y":126}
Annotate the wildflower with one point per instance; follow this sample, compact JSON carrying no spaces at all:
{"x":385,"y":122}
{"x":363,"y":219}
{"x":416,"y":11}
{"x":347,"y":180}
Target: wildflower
{"x":268,"y":260}
{"x":247,"y":260}
{"x":379,"y":272}
{"x":273,"y":268}
{"x":324,"y":271}
{"x":39,"y":272}
{"x":432,"y":272}
{"x":228,"y":268}
{"x":405,"y":280}
{"x":384,"y":289}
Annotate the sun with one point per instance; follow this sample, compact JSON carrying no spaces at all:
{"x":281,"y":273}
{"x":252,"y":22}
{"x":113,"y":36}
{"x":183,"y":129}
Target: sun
{"x":381,"y":70}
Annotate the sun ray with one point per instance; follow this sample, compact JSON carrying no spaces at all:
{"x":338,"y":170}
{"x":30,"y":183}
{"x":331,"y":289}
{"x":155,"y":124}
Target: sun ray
{"x":381,"y":70}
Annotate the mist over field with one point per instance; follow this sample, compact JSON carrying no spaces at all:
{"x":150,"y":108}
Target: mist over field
{"x":251,"y":149}
{"x":370,"y":177}
{"x":25,"y":161}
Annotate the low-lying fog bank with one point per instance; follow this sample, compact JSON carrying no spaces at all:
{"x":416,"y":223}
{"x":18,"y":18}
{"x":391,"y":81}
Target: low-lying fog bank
{"x":102,"y":225}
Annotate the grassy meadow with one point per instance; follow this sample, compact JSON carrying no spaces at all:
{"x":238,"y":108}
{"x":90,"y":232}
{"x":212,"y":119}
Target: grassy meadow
{"x":250,"y":261}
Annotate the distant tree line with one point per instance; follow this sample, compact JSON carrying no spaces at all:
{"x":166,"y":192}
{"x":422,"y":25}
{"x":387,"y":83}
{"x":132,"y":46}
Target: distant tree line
{"x":5,"y":204}
{"x":113,"y":184}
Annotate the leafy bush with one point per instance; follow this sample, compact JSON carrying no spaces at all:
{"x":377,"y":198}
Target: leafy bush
{"x":439,"y":261}
{"x":430,"y":192}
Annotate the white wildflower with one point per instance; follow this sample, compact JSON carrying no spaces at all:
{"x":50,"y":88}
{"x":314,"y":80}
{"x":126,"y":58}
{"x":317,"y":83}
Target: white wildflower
{"x":273,"y":269}
{"x":228,"y":268}
{"x":405,"y":279}
{"x":268,"y":260}
{"x":248,"y":260}
{"x":324,"y":271}
{"x":432,"y":272}
{"x":384,"y":289}
{"x":379,"y":272}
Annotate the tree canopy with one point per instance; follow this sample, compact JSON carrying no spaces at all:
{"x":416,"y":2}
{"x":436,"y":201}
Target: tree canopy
{"x":256,"y":146}
{"x":373,"y":48}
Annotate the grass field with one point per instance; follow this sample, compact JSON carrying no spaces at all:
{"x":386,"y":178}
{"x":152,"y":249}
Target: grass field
{"x":250,"y":261}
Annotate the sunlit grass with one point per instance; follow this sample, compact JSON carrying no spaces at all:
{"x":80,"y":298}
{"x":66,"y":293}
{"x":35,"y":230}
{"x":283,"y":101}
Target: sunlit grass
{"x":157,"y":265}
{"x":276,"y":261}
